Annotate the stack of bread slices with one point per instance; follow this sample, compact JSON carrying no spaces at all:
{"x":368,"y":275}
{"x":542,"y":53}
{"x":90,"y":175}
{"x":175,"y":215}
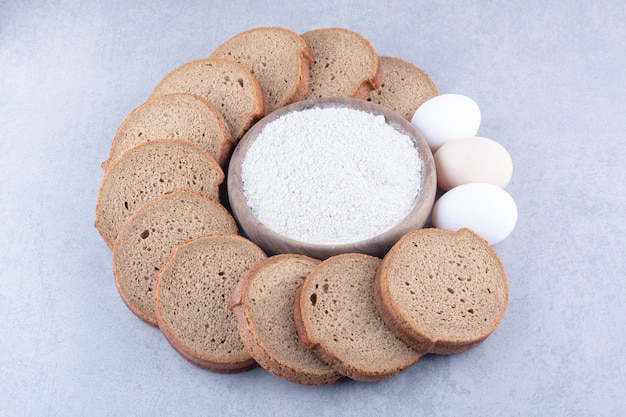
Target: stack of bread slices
{"x":180,"y":264}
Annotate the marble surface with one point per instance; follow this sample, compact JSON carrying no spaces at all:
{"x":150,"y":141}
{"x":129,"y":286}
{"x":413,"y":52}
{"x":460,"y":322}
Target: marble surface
{"x":550,"y":79}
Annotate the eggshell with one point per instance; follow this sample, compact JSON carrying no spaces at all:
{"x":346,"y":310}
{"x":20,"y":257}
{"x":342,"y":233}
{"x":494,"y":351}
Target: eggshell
{"x":486,"y":209}
{"x":474,"y":159}
{"x":446,"y":117}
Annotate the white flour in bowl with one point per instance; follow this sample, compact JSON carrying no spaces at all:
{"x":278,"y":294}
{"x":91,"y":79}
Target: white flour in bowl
{"x":331,"y":176}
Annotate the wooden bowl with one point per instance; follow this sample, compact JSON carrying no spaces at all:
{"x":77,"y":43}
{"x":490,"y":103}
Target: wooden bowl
{"x":274,"y":243}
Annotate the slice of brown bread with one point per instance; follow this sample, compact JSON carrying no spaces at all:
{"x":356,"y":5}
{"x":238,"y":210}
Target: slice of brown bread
{"x":174,"y":116}
{"x":278,"y":58}
{"x":148,"y":171}
{"x":442,"y":291}
{"x":345,"y":64}
{"x":404,"y":87}
{"x":263,"y":303}
{"x":148,"y":236}
{"x":226,"y":85}
{"x":191,"y":301}
{"x":336,"y":317}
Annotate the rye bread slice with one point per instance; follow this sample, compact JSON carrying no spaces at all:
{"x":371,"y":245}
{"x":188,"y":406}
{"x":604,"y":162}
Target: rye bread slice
{"x":148,"y":171}
{"x":148,"y":236}
{"x":277,"y":57}
{"x":263,"y":303}
{"x":404,"y":87}
{"x":442,"y":291}
{"x":191,"y":300}
{"x":345,"y":64}
{"x":336,"y":317}
{"x":174,"y":116}
{"x":226,"y":85}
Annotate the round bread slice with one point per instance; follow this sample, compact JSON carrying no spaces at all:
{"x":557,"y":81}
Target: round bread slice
{"x":442,"y":291}
{"x":148,"y":236}
{"x":345,"y":64}
{"x":263,"y":303}
{"x":226,"y":85}
{"x":404,"y":87}
{"x":148,"y":171}
{"x":191,"y":300}
{"x":277,"y":57}
{"x":336,"y":317}
{"x":174,"y":116}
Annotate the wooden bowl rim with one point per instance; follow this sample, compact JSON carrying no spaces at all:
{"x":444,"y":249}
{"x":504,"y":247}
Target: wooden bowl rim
{"x":273,"y":242}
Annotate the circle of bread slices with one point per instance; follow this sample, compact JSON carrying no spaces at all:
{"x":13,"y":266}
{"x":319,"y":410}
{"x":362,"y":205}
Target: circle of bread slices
{"x":180,"y":264}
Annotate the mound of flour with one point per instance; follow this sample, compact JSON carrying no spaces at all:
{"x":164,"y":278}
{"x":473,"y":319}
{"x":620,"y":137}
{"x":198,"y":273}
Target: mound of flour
{"x":331,"y":176}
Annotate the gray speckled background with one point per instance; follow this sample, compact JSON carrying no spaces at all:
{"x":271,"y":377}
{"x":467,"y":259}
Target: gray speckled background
{"x":550,"y":78}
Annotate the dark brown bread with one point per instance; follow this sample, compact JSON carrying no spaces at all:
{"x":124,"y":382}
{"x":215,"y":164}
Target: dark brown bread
{"x":191,"y":301}
{"x":345,"y":64}
{"x":442,"y":291}
{"x":263,"y":304}
{"x":336,"y":317}
{"x":148,"y":236}
{"x":174,"y":116}
{"x":148,"y":171}
{"x":277,"y":57}
{"x":404,"y":87}
{"x":226,"y":85}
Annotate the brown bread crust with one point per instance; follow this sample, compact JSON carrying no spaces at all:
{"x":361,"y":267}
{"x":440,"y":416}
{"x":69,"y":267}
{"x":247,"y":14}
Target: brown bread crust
{"x":234,"y":367}
{"x":276,"y":362}
{"x":237,"y":359}
{"x":369,"y":84}
{"x":359,"y":87}
{"x":119,"y":196}
{"x":404,"y":87}
{"x":305,"y":78}
{"x":357,"y":325}
{"x":261,"y":60}
{"x":202,"y":78}
{"x":147,"y":237}
{"x":213,"y":135}
{"x":464,"y":285}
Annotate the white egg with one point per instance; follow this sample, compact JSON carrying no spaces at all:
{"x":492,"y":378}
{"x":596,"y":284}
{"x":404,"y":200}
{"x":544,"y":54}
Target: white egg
{"x":486,"y":209}
{"x":476,"y":159}
{"x":447,"y":117}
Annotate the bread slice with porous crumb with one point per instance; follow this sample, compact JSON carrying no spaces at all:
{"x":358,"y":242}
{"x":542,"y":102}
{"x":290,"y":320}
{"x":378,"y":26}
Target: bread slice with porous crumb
{"x":148,"y":171}
{"x":226,"y":85}
{"x":174,"y":116}
{"x":263,"y":304}
{"x":404,"y":87}
{"x":148,"y":236}
{"x":277,"y":57}
{"x":191,"y":300}
{"x":336,"y":317}
{"x":442,"y":291}
{"x":345,"y":64}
